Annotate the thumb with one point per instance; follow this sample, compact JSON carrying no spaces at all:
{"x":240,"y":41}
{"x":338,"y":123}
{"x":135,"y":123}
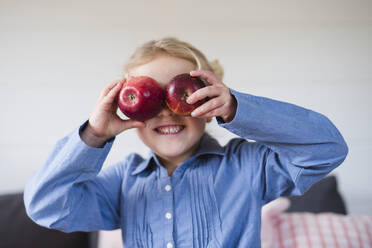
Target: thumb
{"x":127,"y":124}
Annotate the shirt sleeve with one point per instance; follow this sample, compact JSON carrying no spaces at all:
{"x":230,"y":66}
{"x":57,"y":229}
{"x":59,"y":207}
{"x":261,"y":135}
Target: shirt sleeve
{"x":70,"y":192}
{"x":294,"y":148}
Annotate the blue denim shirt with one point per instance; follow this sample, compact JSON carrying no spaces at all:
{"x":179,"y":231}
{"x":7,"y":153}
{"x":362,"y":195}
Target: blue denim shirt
{"x":213,"y":199}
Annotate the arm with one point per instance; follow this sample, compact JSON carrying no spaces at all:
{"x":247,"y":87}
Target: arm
{"x":295,"y":146}
{"x":70,"y":193}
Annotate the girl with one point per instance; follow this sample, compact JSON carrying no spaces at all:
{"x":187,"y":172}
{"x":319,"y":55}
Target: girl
{"x":190,"y":191}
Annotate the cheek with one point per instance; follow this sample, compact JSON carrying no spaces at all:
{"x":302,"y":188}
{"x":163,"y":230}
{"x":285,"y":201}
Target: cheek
{"x":143,"y":134}
{"x":201,"y":126}
{"x":198,"y":124}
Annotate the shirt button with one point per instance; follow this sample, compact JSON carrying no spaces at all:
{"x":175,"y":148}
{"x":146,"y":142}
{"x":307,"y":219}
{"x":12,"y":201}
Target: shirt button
{"x":168,"y":216}
{"x":167,"y":187}
{"x":169,"y":245}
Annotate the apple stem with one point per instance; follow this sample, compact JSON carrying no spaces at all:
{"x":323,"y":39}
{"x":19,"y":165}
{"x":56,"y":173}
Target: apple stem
{"x":184,"y":96}
{"x":131,"y":97}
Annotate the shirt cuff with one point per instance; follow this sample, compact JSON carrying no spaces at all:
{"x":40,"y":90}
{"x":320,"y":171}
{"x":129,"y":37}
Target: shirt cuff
{"x":83,"y":126}
{"x":88,"y":156}
{"x":235,"y":125}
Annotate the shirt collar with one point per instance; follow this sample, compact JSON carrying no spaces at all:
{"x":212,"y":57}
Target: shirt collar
{"x":208,"y":145}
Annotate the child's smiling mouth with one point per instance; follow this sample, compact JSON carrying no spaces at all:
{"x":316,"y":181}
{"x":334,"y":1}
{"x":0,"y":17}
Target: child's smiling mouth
{"x":169,"y":129}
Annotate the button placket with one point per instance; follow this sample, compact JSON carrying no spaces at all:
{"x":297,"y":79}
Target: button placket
{"x":168,"y":212}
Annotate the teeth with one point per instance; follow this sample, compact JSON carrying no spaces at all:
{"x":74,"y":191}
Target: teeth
{"x":170,"y":130}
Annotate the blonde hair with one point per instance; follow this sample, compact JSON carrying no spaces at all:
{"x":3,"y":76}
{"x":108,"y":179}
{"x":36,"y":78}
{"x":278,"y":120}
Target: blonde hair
{"x":176,"y":48}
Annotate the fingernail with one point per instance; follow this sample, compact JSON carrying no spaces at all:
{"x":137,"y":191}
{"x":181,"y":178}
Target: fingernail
{"x":194,"y":113}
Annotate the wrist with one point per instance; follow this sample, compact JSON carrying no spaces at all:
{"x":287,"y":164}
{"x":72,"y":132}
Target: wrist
{"x":90,"y":138}
{"x":233,"y":107}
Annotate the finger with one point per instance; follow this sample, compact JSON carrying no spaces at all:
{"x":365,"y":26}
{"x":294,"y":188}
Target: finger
{"x":109,"y":87}
{"x":210,"y":105}
{"x":111,"y":95}
{"x":212,"y":113}
{"x":209,"y":91}
{"x":209,"y":76}
{"x":127,"y":124}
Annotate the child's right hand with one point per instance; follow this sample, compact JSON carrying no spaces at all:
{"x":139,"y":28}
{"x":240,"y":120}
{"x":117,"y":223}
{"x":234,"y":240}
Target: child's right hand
{"x":104,"y":123}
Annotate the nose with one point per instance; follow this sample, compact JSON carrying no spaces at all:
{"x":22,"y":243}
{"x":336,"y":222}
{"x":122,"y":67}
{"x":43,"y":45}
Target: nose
{"x":165,"y":111}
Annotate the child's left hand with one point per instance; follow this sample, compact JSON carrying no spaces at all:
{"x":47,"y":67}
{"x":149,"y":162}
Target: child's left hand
{"x":221,"y":102}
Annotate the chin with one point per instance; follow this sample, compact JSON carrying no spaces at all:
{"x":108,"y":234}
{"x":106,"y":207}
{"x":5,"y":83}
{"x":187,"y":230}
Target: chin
{"x":173,"y":152}
{"x":177,"y":151}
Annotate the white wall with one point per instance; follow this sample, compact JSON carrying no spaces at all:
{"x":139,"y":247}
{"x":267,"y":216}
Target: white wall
{"x":56,"y":57}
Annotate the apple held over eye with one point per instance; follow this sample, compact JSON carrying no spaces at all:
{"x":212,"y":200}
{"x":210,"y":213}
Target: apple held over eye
{"x":177,"y":91}
{"x":141,"y":98}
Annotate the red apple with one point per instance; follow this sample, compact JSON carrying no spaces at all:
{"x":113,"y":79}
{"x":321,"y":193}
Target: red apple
{"x":177,"y":91}
{"x":141,"y":98}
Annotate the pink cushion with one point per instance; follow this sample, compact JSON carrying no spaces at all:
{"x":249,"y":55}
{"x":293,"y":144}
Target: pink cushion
{"x":306,"y":230}
{"x":110,"y":239}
